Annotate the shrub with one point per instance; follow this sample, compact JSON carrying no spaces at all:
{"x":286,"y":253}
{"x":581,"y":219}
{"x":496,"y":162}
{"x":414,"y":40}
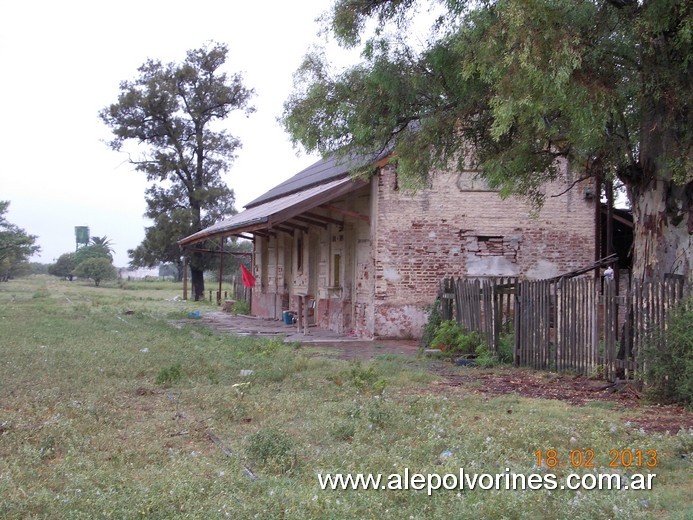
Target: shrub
{"x":366,"y":379}
{"x":435,"y":318}
{"x":506,"y":345}
{"x":452,"y":339}
{"x":241,"y":307}
{"x":485,"y":357}
{"x":668,"y":360}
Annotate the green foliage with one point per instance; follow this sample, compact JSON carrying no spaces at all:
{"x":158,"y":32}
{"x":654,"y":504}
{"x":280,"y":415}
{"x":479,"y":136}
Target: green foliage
{"x":485,"y":357}
{"x":16,"y":246}
{"x":160,"y":240}
{"x":274,"y":449}
{"x":366,"y":379}
{"x":453,"y":340}
{"x":102,"y":246}
{"x":435,"y":318}
{"x":668,"y":360}
{"x":39,"y":268}
{"x":506,"y":346}
{"x":241,"y":307}
{"x":64,"y":266}
{"x":97,"y":269}
{"x":169,"y":375}
{"x":92,"y":251}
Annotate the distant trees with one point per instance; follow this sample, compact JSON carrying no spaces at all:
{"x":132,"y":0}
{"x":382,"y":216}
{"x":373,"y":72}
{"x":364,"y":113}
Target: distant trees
{"x":160,"y":242}
{"x":93,"y":261}
{"x":16,"y":246}
{"x":171,"y":112}
{"x":64,"y":266}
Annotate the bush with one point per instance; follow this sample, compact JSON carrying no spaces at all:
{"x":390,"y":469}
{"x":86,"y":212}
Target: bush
{"x":668,"y":360}
{"x":487,"y":358}
{"x":435,"y":318}
{"x":367,"y":380}
{"x":452,"y":339}
{"x":506,"y":345}
{"x":241,"y":307}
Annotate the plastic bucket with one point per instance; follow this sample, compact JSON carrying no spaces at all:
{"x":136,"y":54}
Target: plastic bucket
{"x":288,"y":317}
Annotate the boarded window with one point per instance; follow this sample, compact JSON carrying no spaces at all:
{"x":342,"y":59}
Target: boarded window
{"x":490,"y":245}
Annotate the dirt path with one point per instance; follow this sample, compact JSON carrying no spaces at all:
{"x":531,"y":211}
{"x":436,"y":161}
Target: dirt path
{"x":573,"y":389}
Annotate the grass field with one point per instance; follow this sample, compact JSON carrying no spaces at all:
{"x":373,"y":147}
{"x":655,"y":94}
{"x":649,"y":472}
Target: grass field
{"x":114,"y":405}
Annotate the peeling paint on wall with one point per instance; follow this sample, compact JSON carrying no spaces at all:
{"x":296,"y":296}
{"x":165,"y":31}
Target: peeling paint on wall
{"x":405,"y":321}
{"x":543,"y":269}
{"x":490,"y":266}
{"x":391,"y":274}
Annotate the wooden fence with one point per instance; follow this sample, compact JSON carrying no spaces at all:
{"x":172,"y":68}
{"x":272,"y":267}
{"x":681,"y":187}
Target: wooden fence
{"x":239,"y":291}
{"x":573,"y":325}
{"x":482,"y":305}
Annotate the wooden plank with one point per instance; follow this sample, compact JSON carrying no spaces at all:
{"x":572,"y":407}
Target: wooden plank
{"x":560,"y":323}
{"x":348,"y":213}
{"x":518,"y":327}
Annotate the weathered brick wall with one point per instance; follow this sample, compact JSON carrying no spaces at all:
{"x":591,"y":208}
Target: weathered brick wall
{"x":453,"y":229}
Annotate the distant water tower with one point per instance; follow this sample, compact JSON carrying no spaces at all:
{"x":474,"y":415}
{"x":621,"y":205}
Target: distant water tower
{"x":81,"y":236}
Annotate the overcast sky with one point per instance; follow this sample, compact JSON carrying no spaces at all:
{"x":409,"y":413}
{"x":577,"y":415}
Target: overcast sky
{"x":63,"y":61}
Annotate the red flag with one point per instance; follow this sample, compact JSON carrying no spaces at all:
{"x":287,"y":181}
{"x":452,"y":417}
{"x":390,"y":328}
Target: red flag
{"x":248,"y":279}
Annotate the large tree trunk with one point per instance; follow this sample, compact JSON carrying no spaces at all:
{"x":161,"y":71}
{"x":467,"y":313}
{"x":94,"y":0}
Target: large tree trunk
{"x":198,"y":283}
{"x":197,"y":260}
{"x":663,"y":230}
{"x":662,"y":208}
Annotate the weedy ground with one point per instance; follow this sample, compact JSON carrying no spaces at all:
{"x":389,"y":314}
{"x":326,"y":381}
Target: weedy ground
{"x":111,"y":408}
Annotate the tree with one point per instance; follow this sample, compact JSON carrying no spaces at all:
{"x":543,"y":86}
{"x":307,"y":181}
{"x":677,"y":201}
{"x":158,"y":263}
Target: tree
{"x":16,"y":246}
{"x":96,"y":269}
{"x":102,"y":244}
{"x":171,"y":111}
{"x":518,"y":86}
{"x":64,"y":266}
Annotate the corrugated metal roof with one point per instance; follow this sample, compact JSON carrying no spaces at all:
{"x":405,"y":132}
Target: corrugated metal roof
{"x":277,"y":210}
{"x":322,"y":171}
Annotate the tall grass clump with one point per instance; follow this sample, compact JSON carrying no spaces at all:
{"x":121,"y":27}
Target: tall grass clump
{"x":274,"y":450}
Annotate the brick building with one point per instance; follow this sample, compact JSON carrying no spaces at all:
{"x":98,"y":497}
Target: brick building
{"x":364,"y":256}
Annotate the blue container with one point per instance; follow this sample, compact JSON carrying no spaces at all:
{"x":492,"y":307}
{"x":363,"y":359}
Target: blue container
{"x":288,"y":317}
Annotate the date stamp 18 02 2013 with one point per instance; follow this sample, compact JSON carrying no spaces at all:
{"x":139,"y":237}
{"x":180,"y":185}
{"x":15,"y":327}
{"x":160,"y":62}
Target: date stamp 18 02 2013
{"x":586,"y":458}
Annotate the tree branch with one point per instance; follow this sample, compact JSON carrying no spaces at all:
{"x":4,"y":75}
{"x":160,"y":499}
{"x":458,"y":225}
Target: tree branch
{"x":588,"y":176}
